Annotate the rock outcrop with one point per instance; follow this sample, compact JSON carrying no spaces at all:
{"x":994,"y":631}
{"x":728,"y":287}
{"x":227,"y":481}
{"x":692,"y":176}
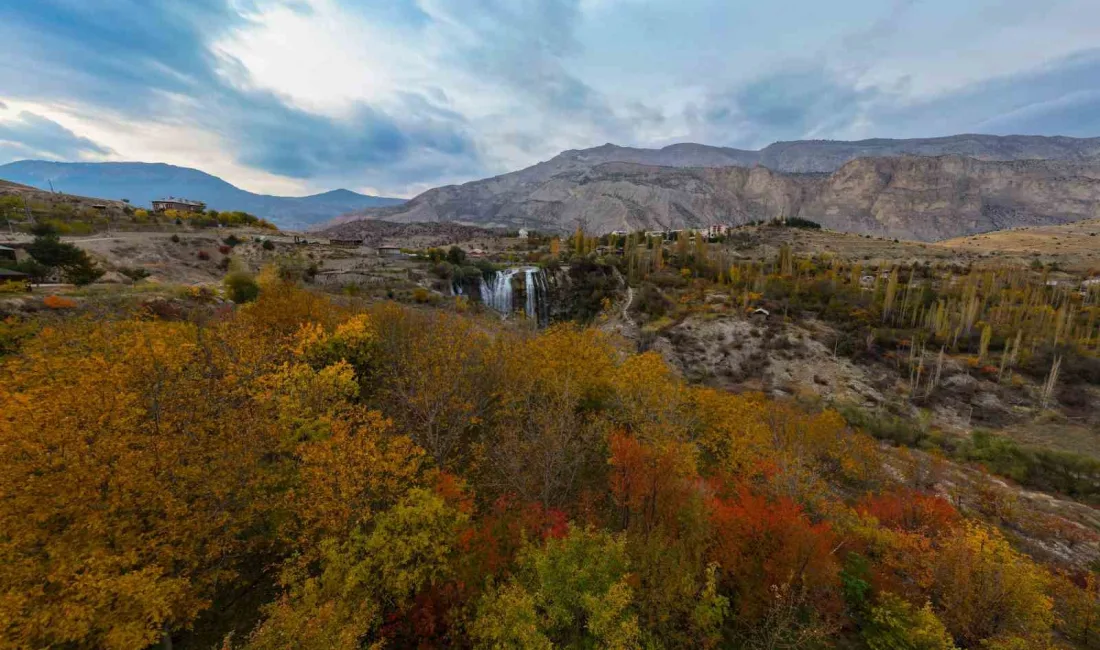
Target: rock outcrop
{"x":909,"y":197}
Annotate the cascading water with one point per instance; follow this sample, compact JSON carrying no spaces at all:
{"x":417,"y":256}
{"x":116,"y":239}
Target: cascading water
{"x":537,"y":293}
{"x":497,"y":293}
{"x":496,"y":290}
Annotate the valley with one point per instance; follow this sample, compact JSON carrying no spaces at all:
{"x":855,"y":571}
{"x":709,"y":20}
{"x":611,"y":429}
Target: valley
{"x":903,"y":399}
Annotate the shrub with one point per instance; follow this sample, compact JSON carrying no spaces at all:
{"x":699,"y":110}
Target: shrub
{"x":886,"y":426}
{"x":651,"y":301}
{"x":268,"y":245}
{"x":241,"y":287}
{"x":232,"y":241}
{"x":175,"y":239}
{"x":134,"y":273}
{"x":58,"y":302}
{"x":224,"y":250}
{"x":202,"y":255}
{"x":17,"y":286}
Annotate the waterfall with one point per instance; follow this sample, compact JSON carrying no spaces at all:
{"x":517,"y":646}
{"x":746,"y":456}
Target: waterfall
{"x":497,"y":293}
{"x":496,"y":290}
{"x":537,"y":289}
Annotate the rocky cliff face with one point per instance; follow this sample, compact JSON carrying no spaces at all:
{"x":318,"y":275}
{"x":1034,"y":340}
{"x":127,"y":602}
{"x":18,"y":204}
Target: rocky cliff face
{"x":906,"y":197}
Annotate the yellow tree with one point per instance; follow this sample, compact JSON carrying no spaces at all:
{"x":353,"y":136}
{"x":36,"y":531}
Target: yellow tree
{"x":986,"y":591}
{"x":128,"y":502}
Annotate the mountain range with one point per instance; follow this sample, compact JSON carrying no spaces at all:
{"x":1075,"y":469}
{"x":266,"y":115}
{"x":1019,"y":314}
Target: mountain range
{"x":141,"y":183}
{"x":926,"y":189}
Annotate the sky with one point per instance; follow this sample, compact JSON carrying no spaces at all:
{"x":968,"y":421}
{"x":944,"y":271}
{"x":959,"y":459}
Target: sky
{"x":394,"y":97}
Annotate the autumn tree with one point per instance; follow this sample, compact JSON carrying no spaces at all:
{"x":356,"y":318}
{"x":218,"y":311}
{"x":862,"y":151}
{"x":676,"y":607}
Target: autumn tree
{"x":374,"y":573}
{"x":985,"y":591}
{"x":573,"y":592}
{"x":140,"y":492}
{"x":777,"y":566}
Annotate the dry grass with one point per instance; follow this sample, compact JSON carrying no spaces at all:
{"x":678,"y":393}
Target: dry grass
{"x":1075,"y":245}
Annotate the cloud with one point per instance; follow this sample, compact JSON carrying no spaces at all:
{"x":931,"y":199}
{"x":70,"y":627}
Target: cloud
{"x":154,"y":60}
{"x":1057,"y":98}
{"x":34,"y":136}
{"x":403,"y":94}
{"x":816,"y":101}
{"x":398,"y":150}
{"x":803,"y":101}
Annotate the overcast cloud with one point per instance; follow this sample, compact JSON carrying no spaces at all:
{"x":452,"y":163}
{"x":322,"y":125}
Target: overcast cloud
{"x":396,"y":96}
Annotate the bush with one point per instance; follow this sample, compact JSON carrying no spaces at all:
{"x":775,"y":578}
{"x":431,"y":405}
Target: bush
{"x":241,"y":287}
{"x":885,"y":426}
{"x":13,"y":286}
{"x":58,"y":302}
{"x":134,"y":273}
{"x":224,"y":250}
{"x":202,"y":255}
{"x":1043,"y":469}
{"x":651,"y":301}
{"x":592,"y":284}
{"x":175,"y":239}
{"x":232,"y":241}
{"x":268,"y":245}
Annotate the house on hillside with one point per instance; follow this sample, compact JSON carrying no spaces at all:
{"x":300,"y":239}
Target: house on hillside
{"x":179,"y":205}
{"x":523,"y":234}
{"x":13,"y":253}
{"x":346,"y":241}
{"x":716,"y":230}
{"x":389,"y":251}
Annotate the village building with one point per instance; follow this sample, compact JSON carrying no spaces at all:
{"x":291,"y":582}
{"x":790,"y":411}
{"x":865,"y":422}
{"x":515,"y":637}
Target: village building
{"x":14,"y":252}
{"x":389,"y":251}
{"x":179,"y":205}
{"x":716,"y":230}
{"x":523,"y":234}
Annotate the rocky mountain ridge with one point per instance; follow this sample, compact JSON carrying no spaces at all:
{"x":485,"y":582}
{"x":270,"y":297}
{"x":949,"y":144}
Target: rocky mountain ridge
{"x":909,"y":197}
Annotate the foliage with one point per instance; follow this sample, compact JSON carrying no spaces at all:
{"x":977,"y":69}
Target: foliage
{"x":135,"y":273}
{"x":48,"y":250}
{"x":309,"y":472}
{"x":573,"y":592}
{"x":58,"y":302}
{"x":241,"y":286}
{"x":894,"y":624}
{"x":985,"y":590}
{"x":591,"y":284}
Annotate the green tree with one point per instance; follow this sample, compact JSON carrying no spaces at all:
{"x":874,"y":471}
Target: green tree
{"x":894,"y":624}
{"x":241,"y":286}
{"x":573,"y":592}
{"x":456,"y":256}
{"x":377,"y":571}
